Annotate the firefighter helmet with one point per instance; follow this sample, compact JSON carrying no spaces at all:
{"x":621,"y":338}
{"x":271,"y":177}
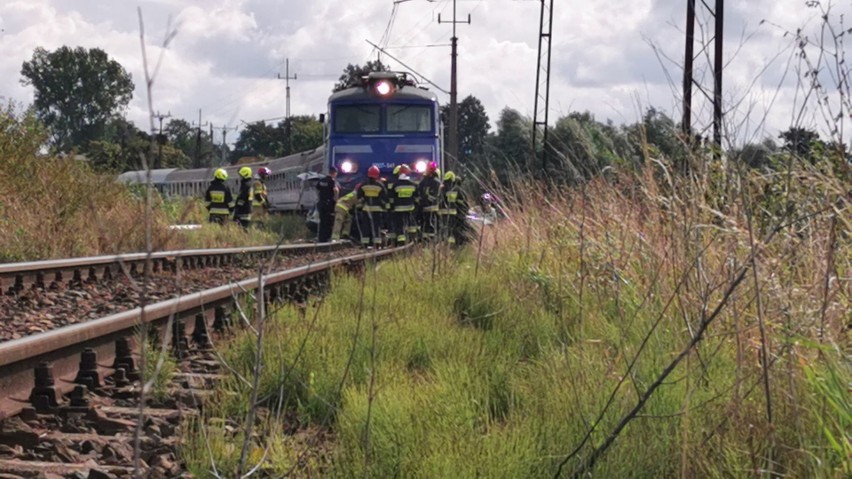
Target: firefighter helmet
{"x":432,"y":167}
{"x":397,"y":169}
{"x":373,"y":172}
{"x":245,"y":172}
{"x":404,"y":169}
{"x":220,"y":174}
{"x":449,"y":176}
{"x":263,"y":172}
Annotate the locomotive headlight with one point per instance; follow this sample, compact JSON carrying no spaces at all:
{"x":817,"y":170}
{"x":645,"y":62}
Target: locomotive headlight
{"x":347,"y":167}
{"x":383,"y":88}
{"x":420,"y":166}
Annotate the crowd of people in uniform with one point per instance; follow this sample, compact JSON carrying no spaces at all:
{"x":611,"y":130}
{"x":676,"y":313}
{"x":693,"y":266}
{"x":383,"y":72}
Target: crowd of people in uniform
{"x":378,"y":211}
{"x":251,"y":204}
{"x":406,"y":211}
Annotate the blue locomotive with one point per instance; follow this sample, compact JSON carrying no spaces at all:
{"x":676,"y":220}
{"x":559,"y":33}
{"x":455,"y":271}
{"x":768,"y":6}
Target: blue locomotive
{"x":385,"y":121}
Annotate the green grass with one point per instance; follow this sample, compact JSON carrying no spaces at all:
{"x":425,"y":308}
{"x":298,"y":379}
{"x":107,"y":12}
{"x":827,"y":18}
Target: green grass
{"x":501,"y":373}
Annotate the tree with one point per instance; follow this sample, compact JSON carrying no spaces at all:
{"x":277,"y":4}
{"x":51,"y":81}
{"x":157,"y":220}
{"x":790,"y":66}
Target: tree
{"x":306,"y":134}
{"x":260,"y":139}
{"x":122,"y":148}
{"x":352,"y":74}
{"x":508,"y":150}
{"x":76,"y":92}
{"x":799,"y":141}
{"x":584,"y":146}
{"x":193,"y":142}
{"x":473,"y":130}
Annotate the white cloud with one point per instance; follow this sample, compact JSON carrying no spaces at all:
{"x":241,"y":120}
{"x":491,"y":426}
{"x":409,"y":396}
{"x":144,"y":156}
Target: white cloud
{"x":227,"y":53}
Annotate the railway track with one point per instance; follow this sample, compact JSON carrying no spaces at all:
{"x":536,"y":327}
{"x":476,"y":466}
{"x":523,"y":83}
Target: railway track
{"x":43,"y":295}
{"x":69,"y":397}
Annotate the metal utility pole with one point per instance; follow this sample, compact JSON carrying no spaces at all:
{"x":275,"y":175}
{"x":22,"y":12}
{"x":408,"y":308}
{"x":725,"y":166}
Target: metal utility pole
{"x":225,"y":130}
{"x":718,"y":66}
{"x":688,"y":60}
{"x":542,"y":76}
{"x":453,"y":140}
{"x":196,"y":158}
{"x":287,"y":79}
{"x":160,"y":139}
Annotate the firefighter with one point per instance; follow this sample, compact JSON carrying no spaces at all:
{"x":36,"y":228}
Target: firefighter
{"x":218,"y":198}
{"x":402,"y":213}
{"x":373,"y":198}
{"x":260,"y":201}
{"x":242,"y":209}
{"x":390,"y":185}
{"x":327,"y":193}
{"x":346,"y":206}
{"x":448,"y":210}
{"x":429,"y":197}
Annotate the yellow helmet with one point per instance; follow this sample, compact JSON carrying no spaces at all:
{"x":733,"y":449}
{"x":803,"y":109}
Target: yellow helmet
{"x":396,"y":170}
{"x":220,"y":174}
{"x":245,"y":172}
{"x":450,"y":176}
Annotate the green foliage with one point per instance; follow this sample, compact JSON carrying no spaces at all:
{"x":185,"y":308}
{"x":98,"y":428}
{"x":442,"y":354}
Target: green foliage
{"x":473,"y":129}
{"x":497,"y":363}
{"x":196,"y":144}
{"x":160,"y":368}
{"x":352,"y":73}
{"x":260,"y":139}
{"x":76,"y":92}
{"x":831,"y":407}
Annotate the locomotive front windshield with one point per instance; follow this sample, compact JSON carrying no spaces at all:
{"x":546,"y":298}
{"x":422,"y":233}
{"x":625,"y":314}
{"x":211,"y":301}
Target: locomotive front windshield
{"x":357,"y":119}
{"x":409,"y":118}
{"x":368,"y":119}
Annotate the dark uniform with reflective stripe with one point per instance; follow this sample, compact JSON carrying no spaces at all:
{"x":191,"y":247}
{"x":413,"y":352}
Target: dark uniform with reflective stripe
{"x":403,"y":200}
{"x":219,"y":201}
{"x":373,"y":198}
{"x":448,"y":211}
{"x":242,"y":209}
{"x":327,"y":189}
{"x":429,"y":198}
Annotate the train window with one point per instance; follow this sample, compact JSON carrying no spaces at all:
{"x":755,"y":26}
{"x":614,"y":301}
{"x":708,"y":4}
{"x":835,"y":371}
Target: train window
{"x":357,"y":119}
{"x":408,"y":118}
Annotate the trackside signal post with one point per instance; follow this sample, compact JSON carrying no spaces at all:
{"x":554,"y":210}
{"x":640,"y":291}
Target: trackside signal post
{"x":453,"y":140}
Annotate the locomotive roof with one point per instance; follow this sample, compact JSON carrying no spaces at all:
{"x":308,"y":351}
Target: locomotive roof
{"x":405,"y":93}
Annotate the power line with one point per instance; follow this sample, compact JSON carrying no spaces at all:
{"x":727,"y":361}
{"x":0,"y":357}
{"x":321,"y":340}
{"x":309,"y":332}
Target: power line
{"x":406,"y":66}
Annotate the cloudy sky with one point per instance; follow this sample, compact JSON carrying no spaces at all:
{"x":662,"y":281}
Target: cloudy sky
{"x":611,"y":57}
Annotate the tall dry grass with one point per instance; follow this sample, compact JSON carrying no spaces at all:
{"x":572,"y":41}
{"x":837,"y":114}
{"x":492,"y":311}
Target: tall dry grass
{"x":617,"y":328}
{"x":58,"y":207}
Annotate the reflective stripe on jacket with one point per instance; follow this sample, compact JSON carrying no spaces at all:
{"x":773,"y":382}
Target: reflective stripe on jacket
{"x":373,"y":195}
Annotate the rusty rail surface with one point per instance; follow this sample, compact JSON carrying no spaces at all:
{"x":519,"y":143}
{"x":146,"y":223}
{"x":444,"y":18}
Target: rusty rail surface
{"x":16,"y":276}
{"x":24,"y":361}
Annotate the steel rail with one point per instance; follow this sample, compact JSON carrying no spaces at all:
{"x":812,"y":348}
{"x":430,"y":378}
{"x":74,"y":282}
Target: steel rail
{"x":16,"y":272}
{"x":71,"y":263}
{"x":62,"y":347}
